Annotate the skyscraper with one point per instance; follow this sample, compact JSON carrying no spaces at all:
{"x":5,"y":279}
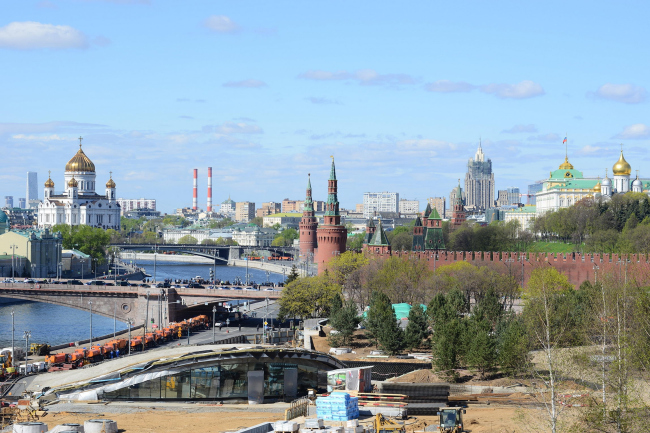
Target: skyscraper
{"x":9,"y":201}
{"x":374,"y":202}
{"x":32,"y":186}
{"x":479,"y":183}
{"x":513,"y":195}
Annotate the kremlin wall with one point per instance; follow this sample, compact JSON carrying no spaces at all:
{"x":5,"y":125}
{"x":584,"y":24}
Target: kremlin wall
{"x":577,"y":267}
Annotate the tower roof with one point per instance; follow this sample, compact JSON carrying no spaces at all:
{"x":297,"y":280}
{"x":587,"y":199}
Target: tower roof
{"x":49,"y":183}
{"x":566,"y":165}
{"x":371,"y":223}
{"x":379,"y":238}
{"x":80,"y":162}
{"x":333,"y":171}
{"x":418,"y":222}
{"x":111,"y":182}
{"x":434,"y":215}
{"x":427,"y":211}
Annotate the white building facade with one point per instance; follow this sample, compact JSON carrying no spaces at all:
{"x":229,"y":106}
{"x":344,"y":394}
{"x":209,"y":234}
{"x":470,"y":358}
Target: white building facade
{"x":409,"y":206}
{"x":79,"y":204}
{"x":374,"y":202}
{"x":129,"y":204}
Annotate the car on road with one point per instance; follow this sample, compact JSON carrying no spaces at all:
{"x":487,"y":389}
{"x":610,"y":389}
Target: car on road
{"x":29,"y":281}
{"x":75,"y":282}
{"x":249,"y":288}
{"x":268,"y":289}
{"x":237,"y":288}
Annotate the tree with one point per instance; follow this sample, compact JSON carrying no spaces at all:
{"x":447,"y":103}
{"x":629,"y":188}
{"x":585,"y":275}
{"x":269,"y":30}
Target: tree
{"x":307,"y":297}
{"x":209,"y":242}
{"x":285,"y":238}
{"x":258,"y":221}
{"x":512,"y":343}
{"x":175,"y":220}
{"x":416,"y":330}
{"x":376,"y":313}
{"x":188,"y":240}
{"x":480,"y":345}
{"x":344,"y":318}
{"x":293,"y":275}
{"x":391,"y":336}
{"x":89,"y":240}
{"x":546,"y":317}
{"x":448,"y":330}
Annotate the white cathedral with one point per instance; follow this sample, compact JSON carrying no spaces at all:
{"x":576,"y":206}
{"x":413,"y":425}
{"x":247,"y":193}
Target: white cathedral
{"x":566,"y":186}
{"x":79,"y":204}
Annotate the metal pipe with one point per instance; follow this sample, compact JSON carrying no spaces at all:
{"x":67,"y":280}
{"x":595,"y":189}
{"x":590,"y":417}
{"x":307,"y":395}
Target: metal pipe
{"x":91,"y":323}
{"x":194,"y":198}
{"x":209,"y":189}
{"x":214,"y":311}
{"x":27,"y":335}
{"x":13,"y":328}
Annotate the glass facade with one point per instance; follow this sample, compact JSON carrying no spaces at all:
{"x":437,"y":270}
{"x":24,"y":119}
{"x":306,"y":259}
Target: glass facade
{"x":227,"y":379}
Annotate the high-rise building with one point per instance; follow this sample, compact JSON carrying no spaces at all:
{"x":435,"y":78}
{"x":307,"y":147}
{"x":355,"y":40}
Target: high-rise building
{"x":268,"y":208}
{"x":439,"y":204}
{"x":332,"y":235}
{"x":22,"y":203}
{"x":129,"y":204}
{"x":513,"y":195}
{"x":409,"y":206}
{"x":502,"y":198}
{"x":533,"y":189}
{"x":374,"y":202}
{"x":227,"y":207}
{"x":479,"y":183}
{"x":9,"y":201}
{"x":244,"y":211}
{"x":358,"y":208}
{"x":291,"y":205}
{"x":32,"y":186}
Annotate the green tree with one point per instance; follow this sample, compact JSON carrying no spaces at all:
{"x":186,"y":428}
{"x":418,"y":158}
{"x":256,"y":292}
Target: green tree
{"x":307,"y":297}
{"x":391,"y":336}
{"x":89,"y":240}
{"x":285,"y":238}
{"x":512,"y":344}
{"x":448,"y":331}
{"x":376,"y":313}
{"x":258,"y":221}
{"x":480,"y":345}
{"x":344,"y":318}
{"x":175,"y":220}
{"x":355,"y":242}
{"x":188,"y":240}
{"x":293,"y":275}
{"x":416,"y":330}
{"x":210,"y":242}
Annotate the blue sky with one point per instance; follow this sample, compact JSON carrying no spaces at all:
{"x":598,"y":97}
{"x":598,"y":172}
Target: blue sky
{"x":264,"y":92}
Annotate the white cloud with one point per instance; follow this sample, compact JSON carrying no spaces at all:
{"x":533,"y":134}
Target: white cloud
{"x":250,"y":83}
{"x":530,"y":128}
{"x":30,"y":35}
{"x":39,"y":137}
{"x":446,"y":86}
{"x":635,"y":132}
{"x":590,"y":150}
{"x":366,"y":77}
{"x":47,"y":127}
{"x":549,"y":138}
{"x":221,"y":24}
{"x":46,"y":4}
{"x":626,"y":93}
{"x":522,"y":90}
{"x":233,"y":128}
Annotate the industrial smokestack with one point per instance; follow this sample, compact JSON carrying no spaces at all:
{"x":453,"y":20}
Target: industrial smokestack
{"x":194,"y":204}
{"x":209,"y":189}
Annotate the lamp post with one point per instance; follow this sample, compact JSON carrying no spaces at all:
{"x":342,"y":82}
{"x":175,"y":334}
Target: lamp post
{"x":214,"y":312}
{"x":26,"y":336}
{"x":155,"y":250}
{"x":13,"y":259}
{"x":189,"y":328}
{"x":91,"y":323}
{"x":13,"y":328}
{"x":114,"y":318}
{"x":146,"y":318}
{"x":129,"y":322}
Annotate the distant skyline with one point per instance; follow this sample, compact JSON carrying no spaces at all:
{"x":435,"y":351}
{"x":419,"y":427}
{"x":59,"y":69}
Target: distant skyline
{"x":265,"y":92}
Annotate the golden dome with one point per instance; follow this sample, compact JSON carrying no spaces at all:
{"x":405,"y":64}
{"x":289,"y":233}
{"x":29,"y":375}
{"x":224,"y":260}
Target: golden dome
{"x":622,"y":168}
{"x":566,"y":165}
{"x":110,"y":183}
{"x":597,"y":187}
{"x":73,"y":183}
{"x":49,"y":183}
{"x":80,"y":162}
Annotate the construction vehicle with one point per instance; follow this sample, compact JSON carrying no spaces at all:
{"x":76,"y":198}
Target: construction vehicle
{"x":385,"y":425}
{"x":451,"y":420}
{"x":39,"y":349}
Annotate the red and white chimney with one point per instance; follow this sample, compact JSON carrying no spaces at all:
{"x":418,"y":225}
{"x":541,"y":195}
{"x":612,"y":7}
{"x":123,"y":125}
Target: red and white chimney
{"x":194,"y":197}
{"x":209,"y":189}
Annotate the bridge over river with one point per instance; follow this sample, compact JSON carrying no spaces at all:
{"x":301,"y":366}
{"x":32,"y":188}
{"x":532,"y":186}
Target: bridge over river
{"x":220,"y":254}
{"x":126,"y":303}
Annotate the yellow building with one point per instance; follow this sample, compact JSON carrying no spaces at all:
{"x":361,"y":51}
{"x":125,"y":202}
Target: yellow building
{"x":36,"y":253}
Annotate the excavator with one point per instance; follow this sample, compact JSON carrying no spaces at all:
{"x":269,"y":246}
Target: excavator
{"x":451,"y":420}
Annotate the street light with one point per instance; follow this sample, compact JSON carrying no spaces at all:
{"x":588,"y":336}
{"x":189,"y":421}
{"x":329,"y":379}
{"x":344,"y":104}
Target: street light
{"x":214,"y":311}
{"x":129,"y":322}
{"x":13,"y":253}
{"x":13,"y":328}
{"x":91,"y":323}
{"x":26,"y":336}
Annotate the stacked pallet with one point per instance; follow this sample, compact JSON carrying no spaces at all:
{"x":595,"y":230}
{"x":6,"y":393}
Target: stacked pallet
{"x":339,"y":406}
{"x":422,"y":398}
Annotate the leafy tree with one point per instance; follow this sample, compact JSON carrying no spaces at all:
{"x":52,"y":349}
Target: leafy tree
{"x":343,"y":265}
{"x":218,"y":224}
{"x":376,"y":313}
{"x":480,"y":345}
{"x":448,"y":330}
{"x":416,"y":330}
{"x":512,"y":343}
{"x":188,"y":240}
{"x":209,"y":242}
{"x":175,"y":220}
{"x":307,"y":297}
{"x":355,"y":242}
{"x":293,"y":275}
{"x":285,"y":238}
{"x":131,"y":224}
{"x":89,"y":240}
{"x":258,"y":221}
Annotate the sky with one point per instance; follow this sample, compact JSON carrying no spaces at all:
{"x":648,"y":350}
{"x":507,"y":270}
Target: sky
{"x":400,"y":93}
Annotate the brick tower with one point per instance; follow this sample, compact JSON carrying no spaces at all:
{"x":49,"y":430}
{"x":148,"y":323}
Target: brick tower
{"x":308,"y":226}
{"x":458,"y":214}
{"x":332,"y":236}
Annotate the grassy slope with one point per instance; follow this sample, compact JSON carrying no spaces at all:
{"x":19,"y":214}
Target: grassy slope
{"x":551,"y":247}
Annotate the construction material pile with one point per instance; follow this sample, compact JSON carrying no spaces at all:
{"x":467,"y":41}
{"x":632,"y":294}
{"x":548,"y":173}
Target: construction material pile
{"x":339,"y":406}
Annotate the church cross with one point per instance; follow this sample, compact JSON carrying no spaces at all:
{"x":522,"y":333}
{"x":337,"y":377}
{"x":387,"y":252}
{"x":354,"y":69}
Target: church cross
{"x":80,"y":142}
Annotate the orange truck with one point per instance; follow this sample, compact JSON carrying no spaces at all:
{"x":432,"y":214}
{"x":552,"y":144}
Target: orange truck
{"x":136,"y":343}
{"x":57,"y":358}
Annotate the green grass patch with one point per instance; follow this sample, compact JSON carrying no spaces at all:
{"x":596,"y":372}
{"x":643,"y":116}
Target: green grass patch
{"x":552,"y":247}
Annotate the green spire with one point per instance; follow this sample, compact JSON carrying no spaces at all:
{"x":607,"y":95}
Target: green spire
{"x":309,"y":181}
{"x":332,"y":171}
{"x":379,"y":238}
{"x":427,"y":211}
{"x":434,"y":215}
{"x":309,"y":204}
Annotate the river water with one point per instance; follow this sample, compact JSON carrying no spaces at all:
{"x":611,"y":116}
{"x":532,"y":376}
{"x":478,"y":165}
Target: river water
{"x":54,"y":324}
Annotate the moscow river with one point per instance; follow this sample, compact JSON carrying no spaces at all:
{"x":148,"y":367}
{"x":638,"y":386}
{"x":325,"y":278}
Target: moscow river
{"x":54,"y":324}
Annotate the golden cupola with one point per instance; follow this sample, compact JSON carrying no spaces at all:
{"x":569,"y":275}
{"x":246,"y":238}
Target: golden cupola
{"x":110,"y":183}
{"x":566,"y":165}
{"x":80,"y":163}
{"x":49,"y":183}
{"x":622,"y":167}
{"x":597,"y":187}
{"x":73,"y":183}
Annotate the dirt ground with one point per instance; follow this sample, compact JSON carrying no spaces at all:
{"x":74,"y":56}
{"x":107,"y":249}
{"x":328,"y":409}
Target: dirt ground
{"x":159,"y":421}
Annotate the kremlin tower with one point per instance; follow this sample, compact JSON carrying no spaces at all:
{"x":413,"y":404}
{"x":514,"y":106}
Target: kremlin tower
{"x":308,"y":226}
{"x":331,"y":236}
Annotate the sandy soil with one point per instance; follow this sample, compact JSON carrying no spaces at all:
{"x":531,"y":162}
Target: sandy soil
{"x":159,"y":421}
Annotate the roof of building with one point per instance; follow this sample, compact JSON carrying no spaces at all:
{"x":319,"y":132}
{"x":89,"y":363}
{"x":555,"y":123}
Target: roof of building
{"x":522,"y":210}
{"x":434,"y":215}
{"x":379,"y":238}
{"x":80,"y":162}
{"x":285,"y":215}
{"x":575,"y":184}
{"x":622,"y":167}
